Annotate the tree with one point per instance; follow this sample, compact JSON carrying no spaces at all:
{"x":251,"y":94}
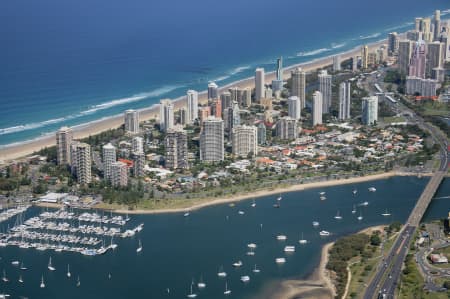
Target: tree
{"x":40,"y":188}
{"x":375,"y":239}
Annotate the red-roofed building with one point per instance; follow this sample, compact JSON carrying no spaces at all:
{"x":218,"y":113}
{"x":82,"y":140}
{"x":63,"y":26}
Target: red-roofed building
{"x":126,"y":161}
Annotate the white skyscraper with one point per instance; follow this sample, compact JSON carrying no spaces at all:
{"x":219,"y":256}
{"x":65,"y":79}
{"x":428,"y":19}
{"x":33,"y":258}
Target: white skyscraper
{"x":370,"y":110}
{"x":294,"y":107}
{"x":212,"y":91}
{"x":166,"y":117}
{"x":131,"y":119}
{"x":109,"y":157}
{"x":325,"y":90}
{"x":192,"y":106}
{"x":298,"y":85}
{"x":212,"y":140}
{"x":244,"y":140}
{"x":137,"y":144}
{"x":336,"y":63}
{"x":317,"y":105}
{"x":64,"y":137}
{"x":259,"y":84}
{"x":83,"y":163}
{"x":344,"y":100}
{"x":119,"y":174}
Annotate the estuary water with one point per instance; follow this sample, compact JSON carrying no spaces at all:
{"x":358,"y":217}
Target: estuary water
{"x":178,"y":250}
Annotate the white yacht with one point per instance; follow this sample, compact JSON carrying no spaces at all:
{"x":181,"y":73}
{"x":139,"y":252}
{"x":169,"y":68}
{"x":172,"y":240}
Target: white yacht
{"x":253,"y":204}
{"x":245,"y":278}
{"x":227,"y":291}
{"x":354,"y":209}
{"x":68,"y":271}
{"x":372,"y":189}
{"x":201,"y":284}
{"x":289,"y":249}
{"x":256,"y":270}
{"x":323,"y":197}
{"x":354,"y":191}
{"x":42,"y":285}
{"x":315,"y":223}
{"x":324,"y":233}
{"x":22,"y":267}
{"x":386,"y":213}
{"x":50,"y":267}
{"x":322,"y":193}
{"x":281,"y":238}
{"x":241,"y":212}
{"x":302,"y":240}
{"x":139,"y":249}
{"x":221,"y":273}
{"x":78,"y":281}
{"x":237,"y":264}
{"x":279,"y":198}
{"x":4,"y":278}
{"x":338,"y":216}
{"x":20,"y":279}
{"x":192,"y":294}
{"x":186,"y":214}
{"x":15,"y":263}
{"x":280,"y":260}
{"x":360,"y":217}
{"x":364,"y":204}
{"x":251,"y":245}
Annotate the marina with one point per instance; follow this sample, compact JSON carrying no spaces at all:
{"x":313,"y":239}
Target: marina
{"x":61,"y":230}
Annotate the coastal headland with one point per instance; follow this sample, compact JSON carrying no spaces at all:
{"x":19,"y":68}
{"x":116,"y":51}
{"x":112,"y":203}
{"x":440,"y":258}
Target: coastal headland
{"x":17,"y":150}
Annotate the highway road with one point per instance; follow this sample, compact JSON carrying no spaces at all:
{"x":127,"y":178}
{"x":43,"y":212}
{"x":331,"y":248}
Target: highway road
{"x":384,"y":283}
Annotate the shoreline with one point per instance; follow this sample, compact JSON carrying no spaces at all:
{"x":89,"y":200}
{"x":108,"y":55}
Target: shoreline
{"x":23,"y":148}
{"x":208,"y":202}
{"x":262,"y":193}
{"x":320,"y":283}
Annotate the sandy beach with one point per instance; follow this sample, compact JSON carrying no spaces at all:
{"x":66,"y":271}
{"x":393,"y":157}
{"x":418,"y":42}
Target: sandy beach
{"x":320,"y":284}
{"x":18,"y":150}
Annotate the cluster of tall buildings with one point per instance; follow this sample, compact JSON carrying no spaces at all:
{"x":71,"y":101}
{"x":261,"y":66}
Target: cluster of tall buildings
{"x":78,"y":155}
{"x":75,"y":154}
{"x":422,"y":54}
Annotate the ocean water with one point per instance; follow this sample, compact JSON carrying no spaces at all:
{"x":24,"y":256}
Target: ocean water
{"x":177,"y":249}
{"x":72,"y":62}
